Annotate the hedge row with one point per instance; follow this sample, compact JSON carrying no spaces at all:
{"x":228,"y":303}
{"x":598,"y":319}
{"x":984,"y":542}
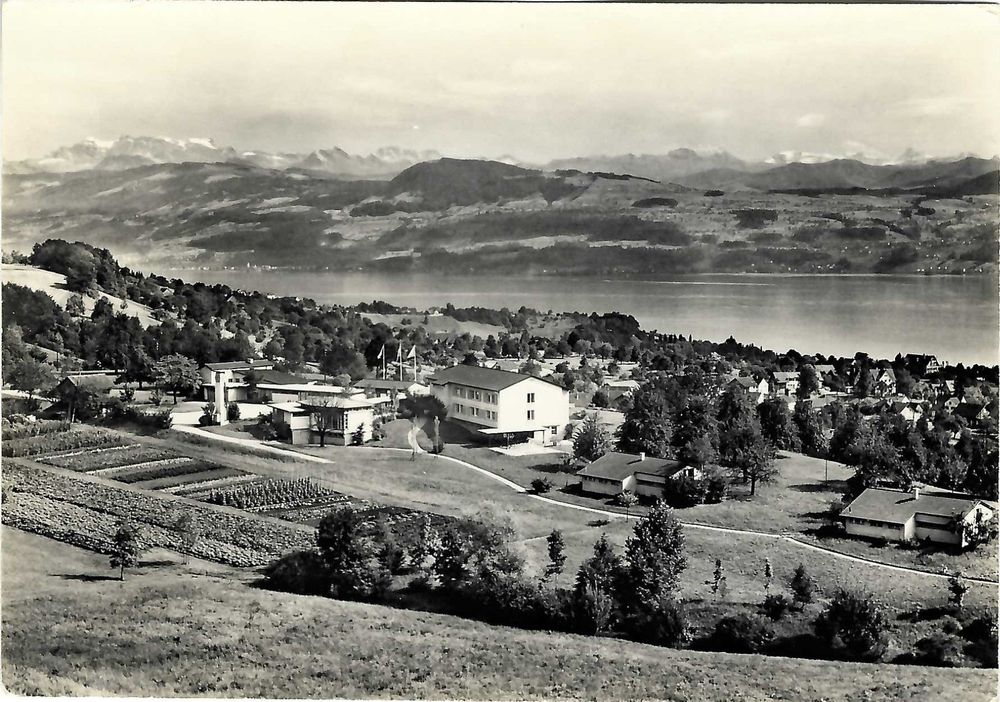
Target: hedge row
{"x":77,"y":437}
{"x":75,"y":510}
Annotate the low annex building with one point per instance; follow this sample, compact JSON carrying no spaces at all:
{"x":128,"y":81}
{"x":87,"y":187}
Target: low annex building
{"x":616,"y":472}
{"x":922,"y":514}
{"x":341,"y":415}
{"x":496,"y":403}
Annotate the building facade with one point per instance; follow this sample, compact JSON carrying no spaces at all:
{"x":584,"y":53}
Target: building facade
{"x":500,"y":403}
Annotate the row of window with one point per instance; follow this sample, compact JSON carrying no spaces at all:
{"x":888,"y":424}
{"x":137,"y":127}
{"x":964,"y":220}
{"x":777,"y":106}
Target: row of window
{"x":872,"y":522}
{"x":474,"y":411}
{"x":481,"y":396}
{"x":477,"y":395}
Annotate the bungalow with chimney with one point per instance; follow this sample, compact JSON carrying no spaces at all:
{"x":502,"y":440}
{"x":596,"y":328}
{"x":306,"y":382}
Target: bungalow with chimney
{"x":616,"y":472}
{"x":924,"y":515}
{"x":337,"y":416}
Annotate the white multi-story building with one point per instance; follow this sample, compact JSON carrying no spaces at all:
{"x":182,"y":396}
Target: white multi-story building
{"x":512,"y":406}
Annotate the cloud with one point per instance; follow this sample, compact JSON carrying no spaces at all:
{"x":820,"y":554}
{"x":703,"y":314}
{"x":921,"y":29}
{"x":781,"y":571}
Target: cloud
{"x":811,"y":119}
{"x":716,"y":116}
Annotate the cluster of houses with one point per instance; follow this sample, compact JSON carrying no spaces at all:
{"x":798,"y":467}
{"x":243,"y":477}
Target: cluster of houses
{"x":494,"y":404}
{"x":503,"y":406}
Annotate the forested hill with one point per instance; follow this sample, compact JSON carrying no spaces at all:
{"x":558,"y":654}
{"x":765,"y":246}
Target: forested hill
{"x":474,"y":216}
{"x":210,"y":323}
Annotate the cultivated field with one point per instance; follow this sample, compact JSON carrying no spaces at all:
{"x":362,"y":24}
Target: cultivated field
{"x":169,"y":630}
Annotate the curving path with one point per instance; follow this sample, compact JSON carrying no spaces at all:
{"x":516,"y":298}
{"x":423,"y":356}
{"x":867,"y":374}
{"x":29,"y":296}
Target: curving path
{"x":411,"y":439}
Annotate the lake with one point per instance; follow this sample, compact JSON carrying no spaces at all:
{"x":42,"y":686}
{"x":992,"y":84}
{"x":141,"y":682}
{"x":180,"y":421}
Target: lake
{"x":954,"y":317}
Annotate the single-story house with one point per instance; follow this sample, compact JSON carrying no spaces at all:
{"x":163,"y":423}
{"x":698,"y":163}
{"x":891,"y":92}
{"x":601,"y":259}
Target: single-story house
{"x":339,"y":414}
{"x":898,"y":515}
{"x":616,"y":472}
{"x":99,"y":383}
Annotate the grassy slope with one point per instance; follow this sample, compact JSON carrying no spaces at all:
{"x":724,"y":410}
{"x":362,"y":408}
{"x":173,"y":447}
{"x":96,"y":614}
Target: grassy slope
{"x":440,"y":486}
{"x":173,"y":630}
{"x":53,"y":285}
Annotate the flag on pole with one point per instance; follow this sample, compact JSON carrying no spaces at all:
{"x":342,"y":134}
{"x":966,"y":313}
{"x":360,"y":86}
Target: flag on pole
{"x":412,"y":354}
{"x":399,"y":353}
{"x":381,"y":352}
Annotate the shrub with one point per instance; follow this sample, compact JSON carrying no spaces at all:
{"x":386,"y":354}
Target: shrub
{"x":803,"y":586}
{"x":232,"y":411}
{"x":742,"y":633}
{"x":684,"y":491}
{"x":981,"y":634}
{"x":940,"y":649}
{"x":593,"y":609}
{"x":207,"y":418}
{"x":716,"y":487}
{"x":858,"y":621}
{"x":299,"y":572}
{"x":541,"y":485}
{"x":775,"y":607}
{"x":664,"y":624}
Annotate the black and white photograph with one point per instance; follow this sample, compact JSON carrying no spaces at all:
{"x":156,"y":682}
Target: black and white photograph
{"x":500,"y":350}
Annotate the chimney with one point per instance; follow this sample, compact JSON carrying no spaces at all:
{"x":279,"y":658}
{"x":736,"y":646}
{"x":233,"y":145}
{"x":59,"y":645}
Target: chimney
{"x":642,"y":455}
{"x":916,"y":492}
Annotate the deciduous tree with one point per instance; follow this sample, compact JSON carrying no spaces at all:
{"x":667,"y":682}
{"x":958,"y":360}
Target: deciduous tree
{"x":177,"y":374}
{"x":125,"y":547}
{"x":591,"y":439}
{"x":648,"y":425}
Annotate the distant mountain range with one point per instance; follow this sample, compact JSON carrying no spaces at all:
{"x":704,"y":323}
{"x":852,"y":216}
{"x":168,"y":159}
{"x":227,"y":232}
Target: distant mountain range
{"x":131,"y":152}
{"x":190,"y":203}
{"x":700,"y":170}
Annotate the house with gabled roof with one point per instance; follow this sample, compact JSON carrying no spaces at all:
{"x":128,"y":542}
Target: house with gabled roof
{"x":616,"y":472}
{"x":502,"y":405}
{"x":922,"y":515}
{"x":786,"y":384}
{"x":757,"y":390}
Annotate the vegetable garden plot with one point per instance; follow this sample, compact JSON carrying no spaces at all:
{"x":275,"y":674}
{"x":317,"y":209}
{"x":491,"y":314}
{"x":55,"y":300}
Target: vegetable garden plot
{"x":139,"y":474}
{"x":201,"y":477}
{"x":77,"y":437}
{"x":96,"y":461}
{"x":268,"y":494}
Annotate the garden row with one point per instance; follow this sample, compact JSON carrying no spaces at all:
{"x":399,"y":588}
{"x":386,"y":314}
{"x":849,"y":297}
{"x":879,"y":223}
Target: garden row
{"x":87,"y":513}
{"x":76,"y":437}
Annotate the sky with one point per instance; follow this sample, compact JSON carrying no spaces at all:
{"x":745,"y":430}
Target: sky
{"x":536,"y":81}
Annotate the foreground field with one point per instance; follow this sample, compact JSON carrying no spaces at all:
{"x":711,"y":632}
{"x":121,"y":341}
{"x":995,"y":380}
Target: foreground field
{"x":174,"y":629}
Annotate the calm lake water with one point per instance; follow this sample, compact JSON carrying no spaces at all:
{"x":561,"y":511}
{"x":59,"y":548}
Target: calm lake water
{"x":955,"y":318}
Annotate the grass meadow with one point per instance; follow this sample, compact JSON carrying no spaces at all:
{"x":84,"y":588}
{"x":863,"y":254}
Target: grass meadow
{"x":175,"y":629}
